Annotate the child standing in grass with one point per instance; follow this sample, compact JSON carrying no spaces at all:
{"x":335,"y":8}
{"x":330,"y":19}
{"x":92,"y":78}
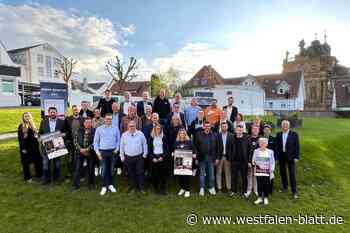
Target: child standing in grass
{"x":264,"y":162}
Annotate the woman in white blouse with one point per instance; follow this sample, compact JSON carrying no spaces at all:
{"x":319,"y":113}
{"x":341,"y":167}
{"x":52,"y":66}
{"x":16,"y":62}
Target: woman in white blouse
{"x":264,"y":163}
{"x":158,"y":153}
{"x":239,"y":121}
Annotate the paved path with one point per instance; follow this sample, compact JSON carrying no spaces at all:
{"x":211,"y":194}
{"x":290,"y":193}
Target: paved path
{"x":7,"y":136}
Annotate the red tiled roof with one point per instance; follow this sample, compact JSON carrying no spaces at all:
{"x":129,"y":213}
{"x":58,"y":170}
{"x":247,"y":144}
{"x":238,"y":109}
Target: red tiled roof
{"x":136,"y":88}
{"x":207,"y":73}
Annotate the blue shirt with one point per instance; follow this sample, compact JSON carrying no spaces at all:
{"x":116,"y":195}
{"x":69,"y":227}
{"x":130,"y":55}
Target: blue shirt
{"x":115,"y":120}
{"x":133,"y":144}
{"x":106,"y":138}
{"x":191,"y":114}
{"x":52,"y":125}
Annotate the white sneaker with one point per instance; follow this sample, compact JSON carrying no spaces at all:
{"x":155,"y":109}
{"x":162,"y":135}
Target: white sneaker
{"x":187,"y":194}
{"x":103,"y":191}
{"x":212,"y":191}
{"x":258,"y":201}
{"x":119,"y":171}
{"x":266,"y":201}
{"x":112,"y":189}
{"x":201,"y":192}
{"x":181,"y":192}
{"x":247,"y":194}
{"x":96,"y":171}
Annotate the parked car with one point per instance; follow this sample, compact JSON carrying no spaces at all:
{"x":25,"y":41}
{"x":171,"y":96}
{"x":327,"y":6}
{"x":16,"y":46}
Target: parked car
{"x":32,"y":100}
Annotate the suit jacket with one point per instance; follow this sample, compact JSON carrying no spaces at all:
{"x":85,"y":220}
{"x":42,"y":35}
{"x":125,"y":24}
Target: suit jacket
{"x":89,"y":113}
{"x":45,"y":127}
{"x":182,"y":117}
{"x":233,"y":113}
{"x":201,"y":146}
{"x":292,"y":145}
{"x":68,"y":127}
{"x":165,"y":148}
{"x":121,"y":107}
{"x":230,"y":145}
{"x":140,"y":108}
{"x":230,"y":127}
{"x":79,"y":140}
{"x":247,"y":156}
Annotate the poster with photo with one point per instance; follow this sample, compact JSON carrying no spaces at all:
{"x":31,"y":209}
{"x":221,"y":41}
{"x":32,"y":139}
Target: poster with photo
{"x":53,"y":145}
{"x":183,"y":162}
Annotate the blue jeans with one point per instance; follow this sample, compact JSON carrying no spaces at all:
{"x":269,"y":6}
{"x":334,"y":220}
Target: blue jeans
{"x":206,"y":169}
{"x":107,"y":167}
{"x":47,"y":169}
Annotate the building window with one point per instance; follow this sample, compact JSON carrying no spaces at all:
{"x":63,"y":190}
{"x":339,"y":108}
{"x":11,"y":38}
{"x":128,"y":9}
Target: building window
{"x":40,"y":71}
{"x":204,"y":81}
{"x":242,"y":101}
{"x":271,"y":104}
{"x":195,"y":82}
{"x":283,"y":105}
{"x":48,"y":66}
{"x":56,"y":74}
{"x":229,"y":93}
{"x":8,"y":86}
{"x":57,"y":62}
{"x":40,"y":59}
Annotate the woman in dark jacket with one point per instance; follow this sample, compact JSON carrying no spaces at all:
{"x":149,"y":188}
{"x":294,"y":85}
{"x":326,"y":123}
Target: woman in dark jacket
{"x":158,"y":152}
{"x":183,"y":142}
{"x":29,"y":147}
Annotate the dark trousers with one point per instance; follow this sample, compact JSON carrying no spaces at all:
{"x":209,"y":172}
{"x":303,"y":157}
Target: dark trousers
{"x":239,"y":168}
{"x":264,"y":185}
{"x":79,"y":164}
{"x":184,"y":182}
{"x":107,"y":167}
{"x":135,"y":167}
{"x":26,"y":160}
{"x":47,"y":168}
{"x":284,"y":163}
{"x":159,"y":173}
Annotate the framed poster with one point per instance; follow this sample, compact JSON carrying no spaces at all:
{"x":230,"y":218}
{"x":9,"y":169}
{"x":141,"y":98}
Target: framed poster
{"x":183,"y":162}
{"x":53,"y":145}
{"x":53,"y":95}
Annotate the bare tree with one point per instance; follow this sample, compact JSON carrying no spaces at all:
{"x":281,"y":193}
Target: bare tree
{"x":117,"y":71}
{"x":67,"y":66}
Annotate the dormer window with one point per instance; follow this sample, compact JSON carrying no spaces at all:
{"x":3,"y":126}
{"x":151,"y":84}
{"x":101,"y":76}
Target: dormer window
{"x":204,"y":81}
{"x":283,"y":88}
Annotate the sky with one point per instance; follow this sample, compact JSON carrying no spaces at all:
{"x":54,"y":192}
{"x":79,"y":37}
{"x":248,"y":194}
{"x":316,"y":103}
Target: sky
{"x":235,"y":37}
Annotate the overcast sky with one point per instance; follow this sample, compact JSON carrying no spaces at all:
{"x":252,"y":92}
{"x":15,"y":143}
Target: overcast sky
{"x":235,"y":37}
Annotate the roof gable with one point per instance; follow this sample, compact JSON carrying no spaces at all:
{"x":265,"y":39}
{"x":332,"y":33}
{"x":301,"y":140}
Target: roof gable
{"x":206,"y":76}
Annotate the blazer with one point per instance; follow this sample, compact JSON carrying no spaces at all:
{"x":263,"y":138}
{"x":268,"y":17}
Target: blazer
{"x":140,"y":108}
{"x":165,"y":148}
{"x":230,"y":145}
{"x":182,"y":117}
{"x":89,"y":113}
{"x":79,"y":141}
{"x":201,"y":146}
{"x":233,"y":113}
{"x":292,"y":145}
{"x":30,"y":144}
{"x":45,"y":127}
{"x":68,"y":122}
{"x":230,"y":126}
{"x":247,"y":155}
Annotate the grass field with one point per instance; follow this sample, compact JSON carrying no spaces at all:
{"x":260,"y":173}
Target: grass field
{"x":10,"y":118}
{"x":322,"y":175}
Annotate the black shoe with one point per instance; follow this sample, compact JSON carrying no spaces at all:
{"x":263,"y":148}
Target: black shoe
{"x":142,"y":191}
{"x":73,"y":189}
{"x":162,"y":192}
{"x":45,"y":182}
{"x":282,"y":190}
{"x":91,"y":187}
{"x":131,"y":191}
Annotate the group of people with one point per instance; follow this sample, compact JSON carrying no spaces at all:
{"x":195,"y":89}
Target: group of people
{"x":137,"y":140}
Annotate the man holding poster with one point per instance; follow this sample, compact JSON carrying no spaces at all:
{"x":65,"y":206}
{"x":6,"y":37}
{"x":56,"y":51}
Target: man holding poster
{"x":47,"y":126}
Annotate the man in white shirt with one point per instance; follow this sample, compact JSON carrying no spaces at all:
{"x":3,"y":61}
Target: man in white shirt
{"x":126,"y":103}
{"x":133,"y":151}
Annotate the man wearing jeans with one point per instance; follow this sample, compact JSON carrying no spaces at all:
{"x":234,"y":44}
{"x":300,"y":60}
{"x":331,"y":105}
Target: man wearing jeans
{"x":106,"y":145}
{"x":207,"y":154}
{"x":133,"y":151}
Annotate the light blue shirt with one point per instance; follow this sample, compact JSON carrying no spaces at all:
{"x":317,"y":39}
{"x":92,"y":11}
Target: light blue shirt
{"x":284,"y":140}
{"x":133,"y":144}
{"x":191,"y":114}
{"x":106,"y":138}
{"x":52,"y":125}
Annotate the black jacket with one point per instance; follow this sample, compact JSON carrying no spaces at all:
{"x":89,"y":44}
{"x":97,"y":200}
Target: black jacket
{"x":89,"y":113}
{"x":45,"y":127}
{"x":195,"y":127}
{"x":246,"y":148}
{"x":140,"y":108}
{"x":165,"y":149}
{"x":201,"y":146}
{"x":30,"y":144}
{"x":79,"y":140}
{"x":162,"y":107}
{"x":105,"y":106}
{"x":171,"y":133}
{"x":230,"y":145}
{"x":182,"y":117}
{"x":292,"y":145}
{"x":68,"y":127}
{"x":233,"y":113}
{"x":230,"y":126}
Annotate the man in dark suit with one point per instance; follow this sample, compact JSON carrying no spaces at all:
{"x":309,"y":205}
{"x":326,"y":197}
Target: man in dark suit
{"x":141,"y":105}
{"x":85,"y":112}
{"x":288,"y":152}
{"x":226,"y":150}
{"x":240,"y":161}
{"x":231,"y":110}
{"x":50,"y":125}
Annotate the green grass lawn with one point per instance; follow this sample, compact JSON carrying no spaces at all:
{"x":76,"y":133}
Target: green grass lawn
{"x":11,"y":117}
{"x":322,"y":175}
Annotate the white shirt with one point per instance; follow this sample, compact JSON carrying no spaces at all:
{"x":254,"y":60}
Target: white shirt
{"x":158,"y":146}
{"x":52,"y":125}
{"x":284,"y":140}
{"x":133,"y":144}
{"x":229,"y":111}
{"x":224,"y":139}
{"x":125,"y":107}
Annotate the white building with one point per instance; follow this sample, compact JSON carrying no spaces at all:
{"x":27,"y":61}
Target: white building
{"x":10,"y":74}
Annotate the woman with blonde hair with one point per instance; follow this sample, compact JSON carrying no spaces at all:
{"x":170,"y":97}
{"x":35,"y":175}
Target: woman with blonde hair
{"x":183,"y":142}
{"x":29,"y":147}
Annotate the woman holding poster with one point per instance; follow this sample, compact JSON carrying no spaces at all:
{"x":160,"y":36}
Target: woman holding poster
{"x":183,"y":145}
{"x":264,"y":162}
